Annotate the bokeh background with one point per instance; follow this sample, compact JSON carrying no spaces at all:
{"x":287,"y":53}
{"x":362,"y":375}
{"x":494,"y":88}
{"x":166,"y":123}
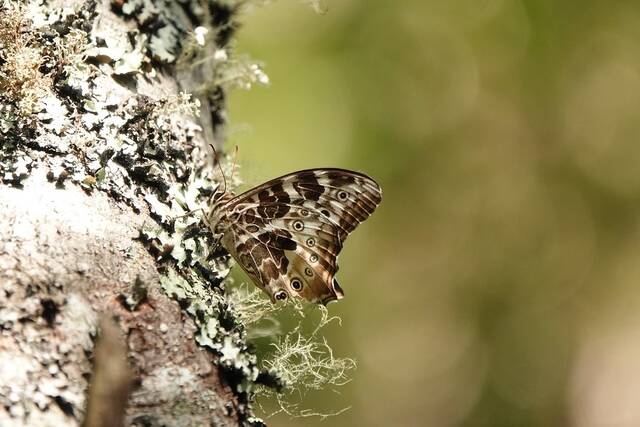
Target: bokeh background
{"x":499,"y":282}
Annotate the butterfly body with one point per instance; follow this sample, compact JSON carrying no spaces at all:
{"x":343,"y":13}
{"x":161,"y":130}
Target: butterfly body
{"x":287,"y":233}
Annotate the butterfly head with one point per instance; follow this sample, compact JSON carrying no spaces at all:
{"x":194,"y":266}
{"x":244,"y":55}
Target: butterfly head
{"x":217,"y":202}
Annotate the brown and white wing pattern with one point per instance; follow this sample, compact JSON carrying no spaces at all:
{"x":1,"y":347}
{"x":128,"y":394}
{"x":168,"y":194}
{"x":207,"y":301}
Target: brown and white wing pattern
{"x":287,"y":233}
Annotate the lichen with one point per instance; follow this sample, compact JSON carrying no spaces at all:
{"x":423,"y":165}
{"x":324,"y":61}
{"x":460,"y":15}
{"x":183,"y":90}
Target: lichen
{"x":295,"y":361}
{"x":240,"y":72}
{"x":22,"y":83}
{"x":165,"y":31}
{"x":146,"y":152}
{"x":302,"y":363}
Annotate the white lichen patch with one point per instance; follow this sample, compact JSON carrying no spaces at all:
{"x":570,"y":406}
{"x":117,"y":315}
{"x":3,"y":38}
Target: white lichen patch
{"x":165,"y":40}
{"x":162,"y":210}
{"x":229,"y":353}
{"x":237,"y":72}
{"x":200,"y":35}
{"x":41,"y":16}
{"x":206,"y":307}
{"x":163,"y":44}
{"x":130,"y":62}
{"x":108,"y":45}
{"x":53,"y":114}
{"x":220,"y":55}
{"x":143,"y":10}
{"x":17,"y":169}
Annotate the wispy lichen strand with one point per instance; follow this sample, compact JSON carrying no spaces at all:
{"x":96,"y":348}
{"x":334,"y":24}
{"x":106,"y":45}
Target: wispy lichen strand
{"x":297,"y":361}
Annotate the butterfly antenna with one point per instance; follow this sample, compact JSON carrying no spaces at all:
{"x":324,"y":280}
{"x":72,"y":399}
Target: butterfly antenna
{"x":215,"y":160}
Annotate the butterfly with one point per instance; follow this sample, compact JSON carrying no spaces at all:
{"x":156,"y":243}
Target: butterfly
{"x":286,"y":234}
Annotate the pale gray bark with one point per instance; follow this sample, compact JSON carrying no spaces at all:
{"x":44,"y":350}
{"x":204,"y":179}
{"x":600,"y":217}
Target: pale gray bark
{"x":99,"y":161}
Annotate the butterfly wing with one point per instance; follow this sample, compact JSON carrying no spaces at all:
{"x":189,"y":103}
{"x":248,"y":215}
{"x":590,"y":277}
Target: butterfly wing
{"x":288,"y":232}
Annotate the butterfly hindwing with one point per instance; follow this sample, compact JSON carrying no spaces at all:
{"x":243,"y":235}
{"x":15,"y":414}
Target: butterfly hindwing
{"x":311,"y":276}
{"x":302,"y":263}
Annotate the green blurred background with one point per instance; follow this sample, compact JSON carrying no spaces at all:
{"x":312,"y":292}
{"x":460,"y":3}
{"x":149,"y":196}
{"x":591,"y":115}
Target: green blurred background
{"x":498,"y":283}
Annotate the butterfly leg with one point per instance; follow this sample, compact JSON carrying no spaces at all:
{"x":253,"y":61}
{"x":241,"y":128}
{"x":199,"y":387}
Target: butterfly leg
{"x":217,"y":244}
{"x":217,"y":237}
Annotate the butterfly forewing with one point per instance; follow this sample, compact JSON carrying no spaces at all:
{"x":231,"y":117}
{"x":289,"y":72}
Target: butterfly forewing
{"x":288,"y":232}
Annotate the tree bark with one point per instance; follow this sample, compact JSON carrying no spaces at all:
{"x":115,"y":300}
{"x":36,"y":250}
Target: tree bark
{"x":99,"y":155}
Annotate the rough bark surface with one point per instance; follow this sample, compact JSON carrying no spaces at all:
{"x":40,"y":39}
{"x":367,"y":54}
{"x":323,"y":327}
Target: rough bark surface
{"x":93,"y":174}
{"x":57,"y":274}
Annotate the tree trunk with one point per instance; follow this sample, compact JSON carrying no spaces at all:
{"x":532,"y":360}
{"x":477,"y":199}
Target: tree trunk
{"x":100,"y":158}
